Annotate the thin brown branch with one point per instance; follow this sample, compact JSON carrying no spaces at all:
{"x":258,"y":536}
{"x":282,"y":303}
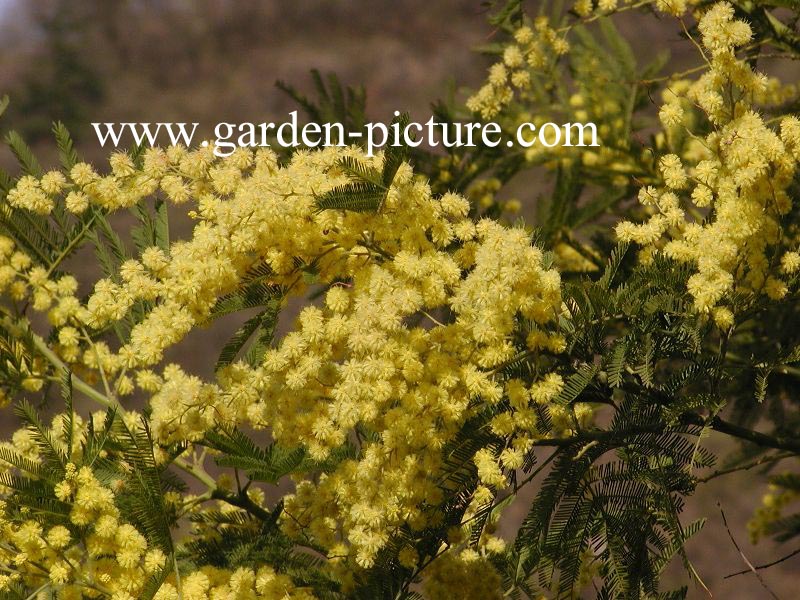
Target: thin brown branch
{"x":766,"y":565}
{"x":744,"y":558}
{"x":766,"y":459}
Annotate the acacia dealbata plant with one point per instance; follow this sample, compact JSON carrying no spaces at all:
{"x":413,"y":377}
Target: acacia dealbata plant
{"x":448,"y":361}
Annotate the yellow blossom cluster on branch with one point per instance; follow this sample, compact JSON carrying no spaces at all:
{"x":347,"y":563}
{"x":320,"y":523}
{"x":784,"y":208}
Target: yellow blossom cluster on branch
{"x":535,"y":49}
{"x":742,"y":176}
{"x":375,"y":355}
{"x":95,"y":553}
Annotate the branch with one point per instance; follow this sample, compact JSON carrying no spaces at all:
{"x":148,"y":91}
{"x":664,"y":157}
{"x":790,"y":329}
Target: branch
{"x":244,"y":502}
{"x":240,"y":500}
{"x":196,"y":472}
{"x":765,"y":566}
{"x":41,"y":346}
{"x":746,"y":467}
{"x":747,"y":562}
{"x":606,"y":435}
{"x":778,"y":442}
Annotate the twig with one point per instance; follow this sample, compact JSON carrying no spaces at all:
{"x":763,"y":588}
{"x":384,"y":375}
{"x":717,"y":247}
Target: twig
{"x":40,"y":345}
{"x":178,"y":583}
{"x":196,"y":471}
{"x":778,"y":442}
{"x":765,"y":566}
{"x":747,"y":562}
{"x":36,"y":592}
{"x":763,"y":460}
{"x":100,"y":369}
{"x":603,"y":14}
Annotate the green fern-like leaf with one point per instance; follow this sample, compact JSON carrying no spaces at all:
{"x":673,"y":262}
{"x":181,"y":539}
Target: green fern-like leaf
{"x":616,"y":363}
{"x":144,"y":502}
{"x":52,"y":453}
{"x":360,"y":196}
{"x":66,"y":148}
{"x":24,"y":154}
{"x":240,"y":452}
{"x":264,"y":322}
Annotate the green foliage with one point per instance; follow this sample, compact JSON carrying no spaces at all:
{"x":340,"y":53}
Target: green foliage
{"x":145,"y":484}
{"x":239,"y":452}
{"x":333,"y":104}
{"x":264,"y":322}
{"x":625,"y":510}
{"x":369,"y":187}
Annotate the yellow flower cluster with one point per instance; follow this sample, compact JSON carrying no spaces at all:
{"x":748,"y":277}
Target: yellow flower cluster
{"x":113,"y":560}
{"x":113,"y":557}
{"x":465,"y":575}
{"x":96,"y":554}
{"x":588,"y":8}
{"x":376,"y":357}
{"x":534,"y":49}
{"x":742,"y":173}
{"x":526,"y":73}
{"x":771,"y":511}
{"x":57,"y":296}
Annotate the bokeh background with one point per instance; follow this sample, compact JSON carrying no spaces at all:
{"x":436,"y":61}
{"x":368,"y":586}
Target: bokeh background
{"x":81,"y":61}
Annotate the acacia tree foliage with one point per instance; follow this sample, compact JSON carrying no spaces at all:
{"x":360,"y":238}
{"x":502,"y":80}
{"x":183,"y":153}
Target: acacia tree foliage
{"x":456,"y":361}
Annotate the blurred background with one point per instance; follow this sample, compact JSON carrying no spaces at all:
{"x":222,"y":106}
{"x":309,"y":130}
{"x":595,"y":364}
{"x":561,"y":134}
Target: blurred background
{"x":216,"y":60}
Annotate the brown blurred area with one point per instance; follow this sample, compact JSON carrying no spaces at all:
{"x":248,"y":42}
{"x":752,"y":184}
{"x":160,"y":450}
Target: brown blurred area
{"x":215,"y":60}
{"x":218,"y":60}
